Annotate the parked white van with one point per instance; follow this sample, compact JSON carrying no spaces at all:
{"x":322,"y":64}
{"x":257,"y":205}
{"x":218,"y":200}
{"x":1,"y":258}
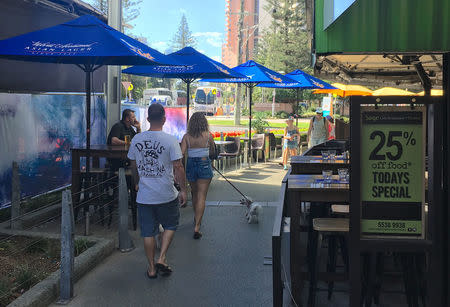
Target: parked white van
{"x":162,"y":94}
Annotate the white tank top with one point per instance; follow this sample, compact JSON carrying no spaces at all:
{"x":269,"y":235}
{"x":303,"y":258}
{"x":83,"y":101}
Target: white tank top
{"x":200,"y":152}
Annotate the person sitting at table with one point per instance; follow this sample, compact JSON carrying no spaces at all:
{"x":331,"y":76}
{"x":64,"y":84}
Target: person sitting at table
{"x":118,"y":133}
{"x":291,"y":138}
{"x":197,"y":144}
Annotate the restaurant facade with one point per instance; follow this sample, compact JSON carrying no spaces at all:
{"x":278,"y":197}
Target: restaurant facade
{"x":399,"y":148}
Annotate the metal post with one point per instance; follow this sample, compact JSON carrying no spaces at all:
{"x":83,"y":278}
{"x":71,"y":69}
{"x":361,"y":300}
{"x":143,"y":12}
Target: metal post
{"x":188,"y":93}
{"x":125,"y":242}
{"x":114,"y":72}
{"x":237,"y":107}
{"x":87,"y":222}
{"x":88,"y":116}
{"x":16,"y":222}
{"x":297,"y":109}
{"x":249,"y":92}
{"x":67,"y":249}
{"x":355,"y":214}
{"x":273,"y":102}
{"x":246,"y":148}
{"x":445,"y":165}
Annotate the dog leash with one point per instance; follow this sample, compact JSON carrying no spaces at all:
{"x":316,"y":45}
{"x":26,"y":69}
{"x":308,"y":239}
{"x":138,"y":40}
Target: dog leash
{"x":245,"y":197}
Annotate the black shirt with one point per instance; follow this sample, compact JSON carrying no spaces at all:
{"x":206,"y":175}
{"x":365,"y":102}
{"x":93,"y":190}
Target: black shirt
{"x":119,"y":130}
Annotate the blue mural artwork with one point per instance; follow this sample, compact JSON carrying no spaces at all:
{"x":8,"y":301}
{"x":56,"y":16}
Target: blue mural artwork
{"x":38,"y":131}
{"x":175,"y":118}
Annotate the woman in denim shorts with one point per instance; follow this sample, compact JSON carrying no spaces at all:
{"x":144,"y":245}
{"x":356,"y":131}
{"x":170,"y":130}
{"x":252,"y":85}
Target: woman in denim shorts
{"x":196,"y":145}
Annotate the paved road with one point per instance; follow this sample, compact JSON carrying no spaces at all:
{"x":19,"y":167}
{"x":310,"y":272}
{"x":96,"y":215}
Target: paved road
{"x":224,"y":268}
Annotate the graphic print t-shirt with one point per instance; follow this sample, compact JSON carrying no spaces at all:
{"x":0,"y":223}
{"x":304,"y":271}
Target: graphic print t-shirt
{"x":154,"y":152}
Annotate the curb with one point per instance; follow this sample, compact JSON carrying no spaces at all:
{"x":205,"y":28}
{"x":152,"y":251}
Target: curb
{"x":46,"y":291}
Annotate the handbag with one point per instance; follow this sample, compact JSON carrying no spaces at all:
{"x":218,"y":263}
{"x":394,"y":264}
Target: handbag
{"x":213,"y":152}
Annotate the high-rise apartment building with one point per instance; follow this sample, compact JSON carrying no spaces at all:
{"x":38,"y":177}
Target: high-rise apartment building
{"x":250,"y":30}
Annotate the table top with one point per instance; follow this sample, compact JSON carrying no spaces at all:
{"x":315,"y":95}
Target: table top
{"x":315,"y":183}
{"x":223,"y":142}
{"x":103,"y":147}
{"x":318,"y":160}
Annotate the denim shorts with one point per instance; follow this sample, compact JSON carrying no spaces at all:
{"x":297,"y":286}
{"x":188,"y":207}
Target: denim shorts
{"x":150,"y":216}
{"x":198,"y":168}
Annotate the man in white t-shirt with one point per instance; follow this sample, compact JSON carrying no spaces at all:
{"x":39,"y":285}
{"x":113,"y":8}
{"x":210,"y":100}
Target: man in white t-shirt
{"x":155,"y":159}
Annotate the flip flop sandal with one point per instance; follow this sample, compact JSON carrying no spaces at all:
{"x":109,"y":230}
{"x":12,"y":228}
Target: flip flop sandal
{"x":151,"y":276}
{"x":197,"y":235}
{"x":163,"y":269}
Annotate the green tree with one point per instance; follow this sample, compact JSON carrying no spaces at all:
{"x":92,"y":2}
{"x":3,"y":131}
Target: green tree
{"x":130,"y":9}
{"x":284,"y":46}
{"x":183,"y":37}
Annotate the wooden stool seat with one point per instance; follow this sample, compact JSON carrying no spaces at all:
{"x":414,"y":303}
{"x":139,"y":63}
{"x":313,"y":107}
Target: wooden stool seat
{"x":96,"y":170}
{"x":127,"y":172}
{"x":331,"y":224}
{"x":340,"y":209}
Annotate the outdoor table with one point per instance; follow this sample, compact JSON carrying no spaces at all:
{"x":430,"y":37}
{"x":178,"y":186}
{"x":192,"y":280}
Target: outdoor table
{"x":308,"y":188}
{"x":315,"y":164}
{"x":222,"y":144}
{"x":95,"y":152}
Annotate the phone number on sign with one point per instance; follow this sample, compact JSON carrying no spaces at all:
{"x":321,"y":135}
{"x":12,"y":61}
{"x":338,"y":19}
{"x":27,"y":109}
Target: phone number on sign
{"x":391,"y":225}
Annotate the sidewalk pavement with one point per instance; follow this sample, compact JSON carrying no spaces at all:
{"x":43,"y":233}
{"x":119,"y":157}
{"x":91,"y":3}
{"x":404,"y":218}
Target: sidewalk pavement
{"x":224,"y":268}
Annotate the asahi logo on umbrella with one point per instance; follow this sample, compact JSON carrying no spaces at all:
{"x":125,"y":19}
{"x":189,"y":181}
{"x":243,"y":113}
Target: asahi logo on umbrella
{"x":317,"y":84}
{"x":138,"y":50}
{"x":274,"y":77}
{"x":220,"y":68}
{"x":174,"y":69}
{"x":46,"y":48}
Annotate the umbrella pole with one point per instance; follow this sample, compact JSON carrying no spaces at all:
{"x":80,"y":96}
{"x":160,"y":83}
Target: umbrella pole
{"x":250,"y":125}
{"x":296,"y":111}
{"x":188,"y":85}
{"x":88,"y":117}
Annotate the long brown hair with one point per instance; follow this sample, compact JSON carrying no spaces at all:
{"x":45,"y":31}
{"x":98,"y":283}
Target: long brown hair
{"x":197,"y":125}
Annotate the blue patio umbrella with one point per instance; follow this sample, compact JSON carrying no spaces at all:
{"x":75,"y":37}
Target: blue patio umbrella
{"x":86,"y":42}
{"x":302,"y":81}
{"x":309,"y":82}
{"x":256,"y":74}
{"x":195,"y":65}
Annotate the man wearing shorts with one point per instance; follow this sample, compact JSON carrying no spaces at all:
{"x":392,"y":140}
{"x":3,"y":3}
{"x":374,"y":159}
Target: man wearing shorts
{"x":155,"y":160}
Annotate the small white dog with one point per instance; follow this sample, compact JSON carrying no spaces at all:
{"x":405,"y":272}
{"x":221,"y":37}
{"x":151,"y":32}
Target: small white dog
{"x":253,"y":210}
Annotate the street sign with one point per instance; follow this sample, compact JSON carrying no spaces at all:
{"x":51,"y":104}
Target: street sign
{"x":214,"y":92}
{"x":126,"y":84}
{"x":392,"y":171}
{"x":130,"y":87}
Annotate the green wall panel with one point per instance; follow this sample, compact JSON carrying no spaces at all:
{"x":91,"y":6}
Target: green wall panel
{"x":386,"y":26}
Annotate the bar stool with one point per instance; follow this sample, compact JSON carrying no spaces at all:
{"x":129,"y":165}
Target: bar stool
{"x":94,"y":187}
{"x":333,"y":228}
{"x":340,"y":209}
{"x":412,"y":268}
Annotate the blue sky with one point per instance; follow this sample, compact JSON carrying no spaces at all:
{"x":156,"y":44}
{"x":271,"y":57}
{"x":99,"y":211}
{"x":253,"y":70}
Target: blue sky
{"x":159,"y":20}
{"x":340,"y":6}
